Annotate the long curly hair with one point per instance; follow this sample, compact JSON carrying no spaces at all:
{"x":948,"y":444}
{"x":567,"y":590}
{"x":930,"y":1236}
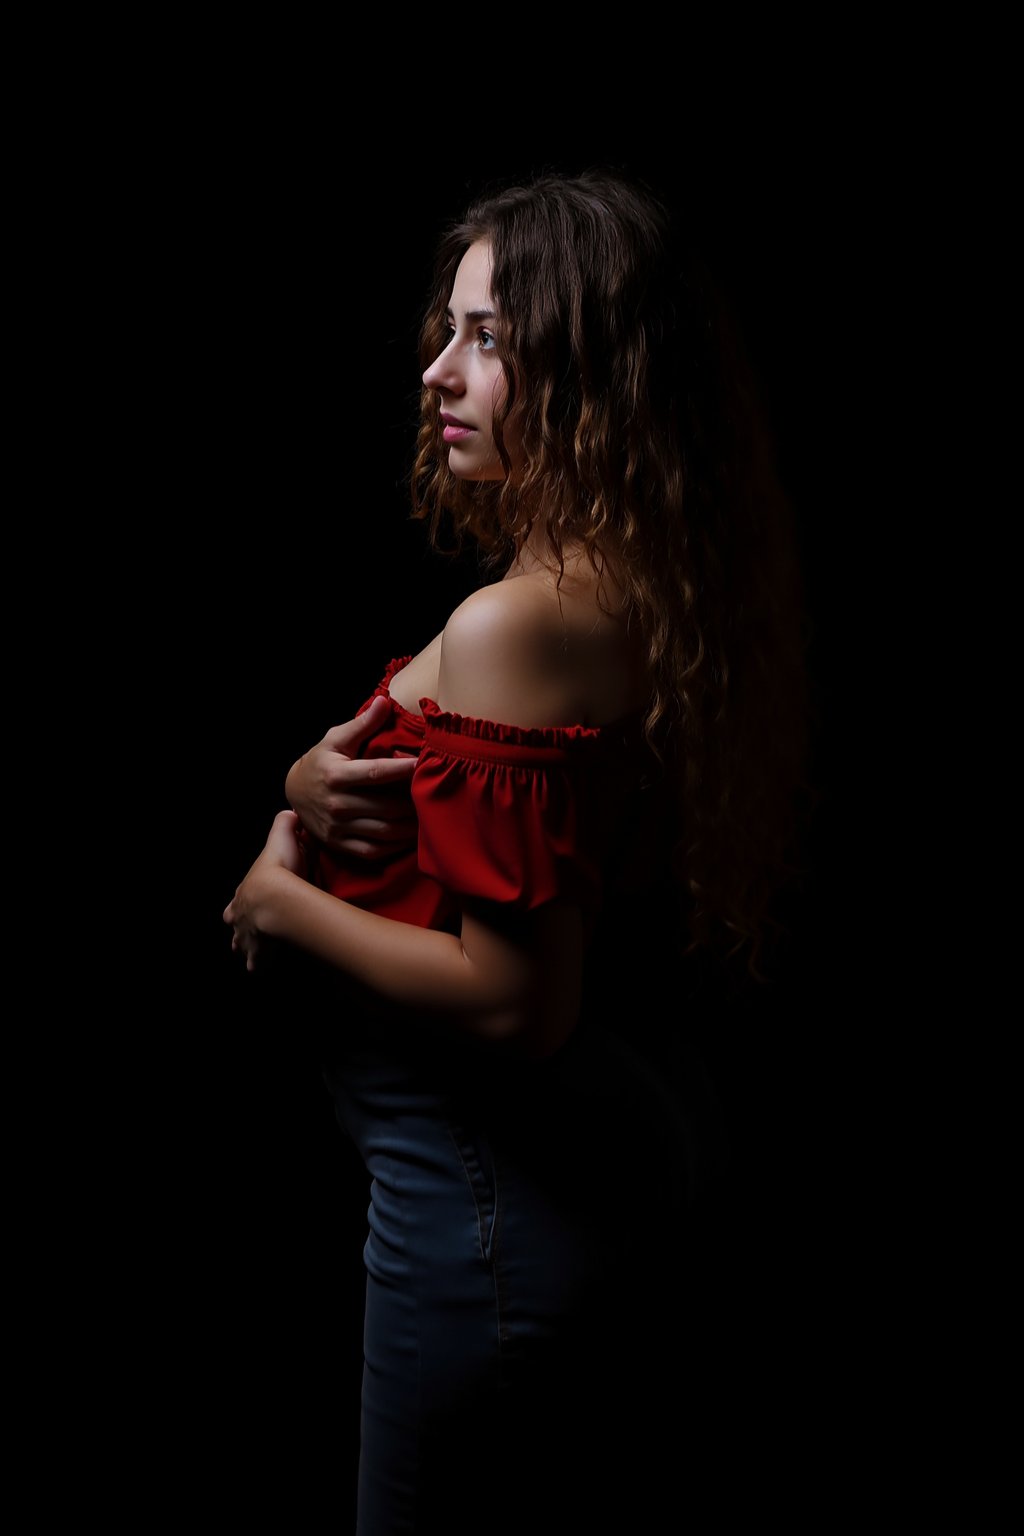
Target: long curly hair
{"x":641,"y":439}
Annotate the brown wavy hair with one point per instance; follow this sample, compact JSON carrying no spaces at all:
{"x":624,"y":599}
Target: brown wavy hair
{"x":643,"y":440}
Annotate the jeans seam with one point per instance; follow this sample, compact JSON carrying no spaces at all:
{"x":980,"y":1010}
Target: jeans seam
{"x":486,"y":1243}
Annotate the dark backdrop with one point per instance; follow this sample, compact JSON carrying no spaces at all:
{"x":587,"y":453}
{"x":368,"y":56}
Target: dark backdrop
{"x":288,"y":323}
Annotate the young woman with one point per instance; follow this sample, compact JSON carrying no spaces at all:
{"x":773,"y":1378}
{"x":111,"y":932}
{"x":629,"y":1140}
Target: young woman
{"x":499,"y":865}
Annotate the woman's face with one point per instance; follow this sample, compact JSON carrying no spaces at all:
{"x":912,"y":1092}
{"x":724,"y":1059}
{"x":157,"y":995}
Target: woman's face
{"x":467,"y":375}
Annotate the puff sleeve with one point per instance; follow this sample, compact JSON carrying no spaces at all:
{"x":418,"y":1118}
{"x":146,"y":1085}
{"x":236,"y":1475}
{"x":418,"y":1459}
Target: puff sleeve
{"x":511,"y":814}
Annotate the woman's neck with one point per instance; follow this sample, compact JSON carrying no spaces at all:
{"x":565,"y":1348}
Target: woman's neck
{"x":537,"y":554}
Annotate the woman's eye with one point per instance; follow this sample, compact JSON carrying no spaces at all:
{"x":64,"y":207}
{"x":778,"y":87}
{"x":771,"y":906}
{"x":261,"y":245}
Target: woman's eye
{"x":487,"y":341}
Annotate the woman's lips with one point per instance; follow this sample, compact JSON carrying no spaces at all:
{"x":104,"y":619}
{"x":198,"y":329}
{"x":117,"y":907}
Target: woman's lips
{"x":455,"y":431}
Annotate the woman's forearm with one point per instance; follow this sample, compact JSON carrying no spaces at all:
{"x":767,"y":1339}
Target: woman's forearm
{"x":489,"y":991}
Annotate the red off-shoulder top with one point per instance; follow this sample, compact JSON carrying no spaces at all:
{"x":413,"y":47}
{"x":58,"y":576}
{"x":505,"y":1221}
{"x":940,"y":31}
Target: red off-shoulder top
{"x":512,"y":814}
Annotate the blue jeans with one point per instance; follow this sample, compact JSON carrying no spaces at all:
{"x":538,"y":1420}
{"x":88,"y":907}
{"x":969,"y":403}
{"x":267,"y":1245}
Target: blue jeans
{"x":523,"y":1263}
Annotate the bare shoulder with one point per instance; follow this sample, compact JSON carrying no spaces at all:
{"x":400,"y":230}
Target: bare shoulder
{"x":496,"y":655}
{"x":525,"y":652}
{"x":522,"y":611}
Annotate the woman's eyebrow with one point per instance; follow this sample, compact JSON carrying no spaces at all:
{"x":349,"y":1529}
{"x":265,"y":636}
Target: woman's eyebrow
{"x":475,"y":314}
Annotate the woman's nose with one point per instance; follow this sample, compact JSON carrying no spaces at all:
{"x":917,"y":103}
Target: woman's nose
{"x":443,"y":373}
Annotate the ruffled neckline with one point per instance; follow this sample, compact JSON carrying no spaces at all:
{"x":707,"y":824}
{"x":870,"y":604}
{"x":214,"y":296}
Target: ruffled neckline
{"x":481,"y":729}
{"x":384,"y":686}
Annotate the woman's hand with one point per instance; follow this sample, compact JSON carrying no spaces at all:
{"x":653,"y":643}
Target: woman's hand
{"x":354,"y":805}
{"x":281,"y":851}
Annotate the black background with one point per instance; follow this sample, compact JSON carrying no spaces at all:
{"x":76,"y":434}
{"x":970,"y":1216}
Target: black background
{"x":287,"y":313}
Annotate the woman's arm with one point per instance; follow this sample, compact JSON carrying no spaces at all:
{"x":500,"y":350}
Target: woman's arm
{"x":507,"y":975}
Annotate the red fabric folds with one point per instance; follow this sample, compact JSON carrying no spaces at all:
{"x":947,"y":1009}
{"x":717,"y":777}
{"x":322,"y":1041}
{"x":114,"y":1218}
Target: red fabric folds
{"x":393,"y":886}
{"x":506,"y":813}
